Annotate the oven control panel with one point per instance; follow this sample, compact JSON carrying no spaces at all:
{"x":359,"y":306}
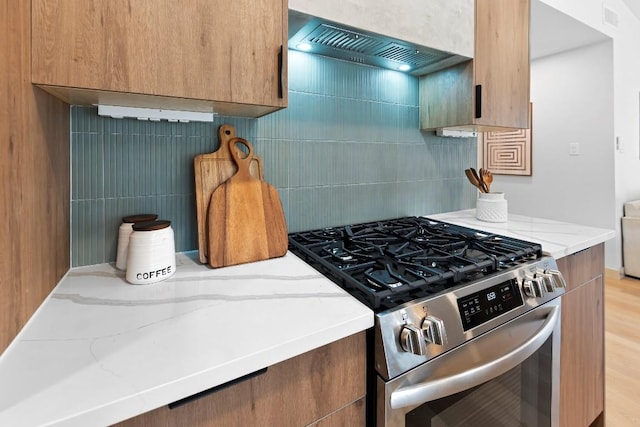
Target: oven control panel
{"x":489,"y":303}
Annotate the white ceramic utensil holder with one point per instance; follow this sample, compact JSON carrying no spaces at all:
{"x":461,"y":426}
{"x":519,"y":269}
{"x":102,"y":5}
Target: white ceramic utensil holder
{"x":124,"y":232}
{"x":152,"y":256}
{"x":491,"y":207}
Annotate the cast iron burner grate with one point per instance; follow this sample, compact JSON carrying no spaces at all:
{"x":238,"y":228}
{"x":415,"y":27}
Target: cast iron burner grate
{"x":390,"y":262}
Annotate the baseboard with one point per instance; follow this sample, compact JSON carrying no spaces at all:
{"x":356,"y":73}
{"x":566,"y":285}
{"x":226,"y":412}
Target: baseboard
{"x":610,"y":273}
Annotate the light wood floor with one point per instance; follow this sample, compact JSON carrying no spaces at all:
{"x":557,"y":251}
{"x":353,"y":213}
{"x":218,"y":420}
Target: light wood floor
{"x":622,"y":352}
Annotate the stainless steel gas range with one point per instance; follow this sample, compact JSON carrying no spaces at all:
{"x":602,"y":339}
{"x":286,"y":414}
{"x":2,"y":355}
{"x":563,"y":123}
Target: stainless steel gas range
{"x":467,"y":323}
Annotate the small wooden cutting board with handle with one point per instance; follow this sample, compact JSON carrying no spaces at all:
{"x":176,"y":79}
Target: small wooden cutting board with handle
{"x":246,"y":220}
{"x":211,"y":170}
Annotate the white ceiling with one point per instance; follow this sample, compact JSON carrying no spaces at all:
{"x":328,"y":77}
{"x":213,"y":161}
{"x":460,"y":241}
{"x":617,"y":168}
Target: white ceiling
{"x":553,"y":31}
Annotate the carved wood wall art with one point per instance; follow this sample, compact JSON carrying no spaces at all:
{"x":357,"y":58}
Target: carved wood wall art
{"x":508,"y":152}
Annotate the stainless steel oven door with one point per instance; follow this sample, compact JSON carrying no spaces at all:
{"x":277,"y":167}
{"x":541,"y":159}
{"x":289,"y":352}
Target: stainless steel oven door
{"x":507,"y":377}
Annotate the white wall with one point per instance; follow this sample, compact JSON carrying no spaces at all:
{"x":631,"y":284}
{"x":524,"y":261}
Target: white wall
{"x":618,"y":170}
{"x":572,"y":95}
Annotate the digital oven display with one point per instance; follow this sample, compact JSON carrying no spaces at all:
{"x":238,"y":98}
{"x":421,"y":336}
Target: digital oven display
{"x":478,"y":308}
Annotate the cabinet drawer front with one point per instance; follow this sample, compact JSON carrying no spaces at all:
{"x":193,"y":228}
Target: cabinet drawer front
{"x":326,"y":384}
{"x":582,"y":266}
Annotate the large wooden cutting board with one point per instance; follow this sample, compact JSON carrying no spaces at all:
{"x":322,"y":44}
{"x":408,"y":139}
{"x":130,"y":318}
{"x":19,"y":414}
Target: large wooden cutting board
{"x":246,"y":220}
{"x":211,"y":170}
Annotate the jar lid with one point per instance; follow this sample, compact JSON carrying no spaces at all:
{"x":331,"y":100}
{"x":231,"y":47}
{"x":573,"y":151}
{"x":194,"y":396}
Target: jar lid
{"x":151,"y":225}
{"x":139,"y":218}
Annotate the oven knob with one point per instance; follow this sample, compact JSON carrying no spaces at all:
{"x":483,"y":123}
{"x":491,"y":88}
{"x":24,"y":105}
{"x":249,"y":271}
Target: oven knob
{"x":412,"y":340}
{"x":433,"y":330}
{"x":557,"y":278}
{"x":547,"y":280}
{"x":532,"y":287}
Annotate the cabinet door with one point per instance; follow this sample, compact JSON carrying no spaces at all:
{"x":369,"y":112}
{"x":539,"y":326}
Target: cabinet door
{"x":491,"y":92}
{"x":229,"y":51}
{"x":501,"y":63}
{"x":582,"y":355}
{"x":582,"y":336}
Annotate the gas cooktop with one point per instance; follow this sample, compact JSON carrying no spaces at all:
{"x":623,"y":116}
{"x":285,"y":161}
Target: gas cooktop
{"x":390,"y":262}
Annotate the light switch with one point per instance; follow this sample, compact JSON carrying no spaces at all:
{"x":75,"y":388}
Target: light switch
{"x":574,"y":149}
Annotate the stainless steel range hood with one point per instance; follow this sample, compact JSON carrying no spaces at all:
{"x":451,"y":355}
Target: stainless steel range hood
{"x":323,"y":37}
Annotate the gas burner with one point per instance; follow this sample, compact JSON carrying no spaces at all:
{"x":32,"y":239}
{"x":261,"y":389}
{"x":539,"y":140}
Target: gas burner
{"x":340,"y":254}
{"x":383,"y":278}
{"x":331,"y":232}
{"x":421,"y":234}
{"x":391,"y":262}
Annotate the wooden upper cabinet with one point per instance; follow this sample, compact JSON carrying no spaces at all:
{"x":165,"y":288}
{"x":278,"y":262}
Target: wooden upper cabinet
{"x":229,"y":56}
{"x":490,"y":92}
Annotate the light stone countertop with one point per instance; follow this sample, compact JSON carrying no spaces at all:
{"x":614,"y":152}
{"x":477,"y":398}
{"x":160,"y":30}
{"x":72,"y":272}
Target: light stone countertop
{"x":99,"y":350}
{"x":558,"y":239}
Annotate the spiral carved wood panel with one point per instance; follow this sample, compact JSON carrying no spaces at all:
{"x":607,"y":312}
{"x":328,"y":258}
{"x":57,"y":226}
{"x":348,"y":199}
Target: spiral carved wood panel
{"x":507,"y":152}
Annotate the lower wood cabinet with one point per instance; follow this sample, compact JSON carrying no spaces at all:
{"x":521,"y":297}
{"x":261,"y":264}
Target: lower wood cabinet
{"x":582,"y":339}
{"x":324,"y":387}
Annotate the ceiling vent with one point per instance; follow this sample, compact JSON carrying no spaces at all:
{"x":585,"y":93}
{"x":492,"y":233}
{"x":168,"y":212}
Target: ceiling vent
{"x":609,"y":16}
{"x":327,"y":38}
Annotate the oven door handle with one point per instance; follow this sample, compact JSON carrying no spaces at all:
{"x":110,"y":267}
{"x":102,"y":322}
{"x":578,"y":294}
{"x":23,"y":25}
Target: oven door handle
{"x":445,"y":385}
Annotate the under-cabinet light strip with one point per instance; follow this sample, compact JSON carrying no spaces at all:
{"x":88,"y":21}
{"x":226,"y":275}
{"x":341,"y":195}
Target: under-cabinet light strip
{"x":154,"y":114}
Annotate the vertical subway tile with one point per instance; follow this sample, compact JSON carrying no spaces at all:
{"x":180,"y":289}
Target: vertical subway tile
{"x":86,"y":120}
{"x":408,"y":125}
{"x":347,"y":149}
{"x":87,"y":154}
{"x":87,"y":232}
{"x":275,"y":160}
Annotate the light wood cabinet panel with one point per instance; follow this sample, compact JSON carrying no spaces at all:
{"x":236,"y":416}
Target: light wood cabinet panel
{"x":198,"y":55}
{"x":501,"y":62}
{"x":490,"y":92}
{"x":326,"y":386}
{"x":34,"y":179}
{"x":582,"y":336}
{"x":581,"y":267}
{"x":582,"y":362}
{"x":352,"y":415}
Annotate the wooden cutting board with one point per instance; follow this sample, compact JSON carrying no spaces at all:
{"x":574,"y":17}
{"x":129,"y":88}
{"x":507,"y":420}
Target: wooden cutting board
{"x":211,"y":170}
{"x":246,"y":220}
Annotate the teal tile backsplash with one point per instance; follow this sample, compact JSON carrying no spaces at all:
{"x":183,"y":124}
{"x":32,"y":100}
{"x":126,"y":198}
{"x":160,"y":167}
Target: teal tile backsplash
{"x":347,"y":149}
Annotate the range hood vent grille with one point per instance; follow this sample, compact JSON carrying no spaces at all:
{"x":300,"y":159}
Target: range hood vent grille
{"x":336,"y":38}
{"x":413,"y":57}
{"x":339,"y":41}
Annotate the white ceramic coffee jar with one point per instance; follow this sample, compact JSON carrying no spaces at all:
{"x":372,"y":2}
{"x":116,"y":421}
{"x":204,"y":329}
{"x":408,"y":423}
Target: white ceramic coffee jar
{"x":124,"y":232}
{"x":151,"y":256}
